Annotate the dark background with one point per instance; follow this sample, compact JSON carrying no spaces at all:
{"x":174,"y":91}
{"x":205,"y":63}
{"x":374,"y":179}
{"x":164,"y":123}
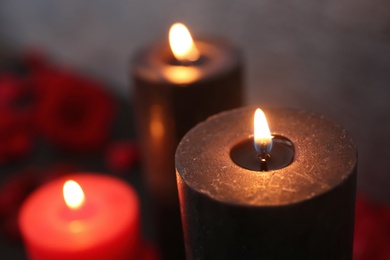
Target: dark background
{"x":331,"y":57}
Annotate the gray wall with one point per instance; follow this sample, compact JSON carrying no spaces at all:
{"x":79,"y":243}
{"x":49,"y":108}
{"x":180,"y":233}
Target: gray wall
{"x":331,"y":57}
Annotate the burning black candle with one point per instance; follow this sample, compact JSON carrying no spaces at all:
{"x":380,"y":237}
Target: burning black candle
{"x":173,"y":91}
{"x":299,"y":206}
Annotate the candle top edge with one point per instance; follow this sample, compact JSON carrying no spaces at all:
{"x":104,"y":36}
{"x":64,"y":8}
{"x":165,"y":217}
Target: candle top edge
{"x":325,"y":158}
{"x":152,"y":62}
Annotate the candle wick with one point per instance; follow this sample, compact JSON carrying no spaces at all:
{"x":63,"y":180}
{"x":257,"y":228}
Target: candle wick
{"x":263,"y":156}
{"x":186,"y":63}
{"x":189,"y":63}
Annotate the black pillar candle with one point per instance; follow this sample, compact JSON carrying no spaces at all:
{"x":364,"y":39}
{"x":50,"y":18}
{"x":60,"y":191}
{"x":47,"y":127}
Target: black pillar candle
{"x":302,"y":208}
{"x":170,"y":97}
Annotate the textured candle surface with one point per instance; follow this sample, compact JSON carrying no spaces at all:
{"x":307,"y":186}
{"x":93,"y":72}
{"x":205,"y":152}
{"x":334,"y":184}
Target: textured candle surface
{"x":325,"y":156}
{"x":302,"y":211}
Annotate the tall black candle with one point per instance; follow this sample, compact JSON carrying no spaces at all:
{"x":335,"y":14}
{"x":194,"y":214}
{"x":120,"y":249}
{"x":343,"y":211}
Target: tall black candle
{"x":171,"y":95}
{"x":303,"y":208}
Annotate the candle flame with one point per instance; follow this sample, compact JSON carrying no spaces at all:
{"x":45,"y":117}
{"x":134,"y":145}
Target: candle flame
{"x":73,"y":194}
{"x":262,"y":134}
{"x":182,"y":45}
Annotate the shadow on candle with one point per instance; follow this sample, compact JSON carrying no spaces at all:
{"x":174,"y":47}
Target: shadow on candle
{"x":245,"y":155}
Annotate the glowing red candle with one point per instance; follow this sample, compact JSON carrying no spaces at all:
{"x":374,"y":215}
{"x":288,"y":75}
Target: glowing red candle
{"x":85,"y":216}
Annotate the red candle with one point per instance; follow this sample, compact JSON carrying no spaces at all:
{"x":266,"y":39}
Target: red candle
{"x":100,"y":220}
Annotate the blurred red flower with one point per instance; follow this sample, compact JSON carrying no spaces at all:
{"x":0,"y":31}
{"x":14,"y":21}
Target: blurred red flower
{"x":35,"y":60}
{"x":16,"y":94}
{"x":372,"y":230}
{"x":121,"y":156}
{"x":12,"y":193}
{"x":15,"y":136}
{"x":73,"y":112}
{"x":9,"y":90}
{"x":15,"y":119}
{"x":14,"y":189}
{"x":148,"y":252}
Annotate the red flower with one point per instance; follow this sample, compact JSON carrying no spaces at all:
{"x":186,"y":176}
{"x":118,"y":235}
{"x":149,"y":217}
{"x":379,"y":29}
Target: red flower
{"x":16,"y":94}
{"x":15,"y":189}
{"x":15,"y":135}
{"x":35,"y":60}
{"x":72,"y":112}
{"x":10,"y":227}
{"x":9,"y":90}
{"x":372,"y":230}
{"x":121,"y":156}
{"x":148,"y":252}
{"x":12,"y":193}
{"x":15,"y":130}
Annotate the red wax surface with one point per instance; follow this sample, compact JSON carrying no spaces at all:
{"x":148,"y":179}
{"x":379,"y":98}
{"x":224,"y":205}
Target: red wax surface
{"x":105,"y":227}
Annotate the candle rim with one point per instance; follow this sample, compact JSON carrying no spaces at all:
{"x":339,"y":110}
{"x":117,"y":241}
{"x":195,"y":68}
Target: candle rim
{"x":149,"y":61}
{"x":183,"y":166}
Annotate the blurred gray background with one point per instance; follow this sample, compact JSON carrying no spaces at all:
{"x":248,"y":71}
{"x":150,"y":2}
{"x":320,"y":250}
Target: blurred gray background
{"x":331,"y":57}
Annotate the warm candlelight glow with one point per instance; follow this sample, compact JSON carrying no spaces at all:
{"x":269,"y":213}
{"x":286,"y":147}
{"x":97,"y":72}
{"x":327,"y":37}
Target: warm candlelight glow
{"x":181,"y":74}
{"x":73,"y":194}
{"x":156,"y":126}
{"x":181,"y":43}
{"x":262,"y":134}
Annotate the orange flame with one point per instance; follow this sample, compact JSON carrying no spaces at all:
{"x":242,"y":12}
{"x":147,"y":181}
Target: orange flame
{"x":73,"y":194}
{"x":262,"y":134}
{"x":182,"y":45}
